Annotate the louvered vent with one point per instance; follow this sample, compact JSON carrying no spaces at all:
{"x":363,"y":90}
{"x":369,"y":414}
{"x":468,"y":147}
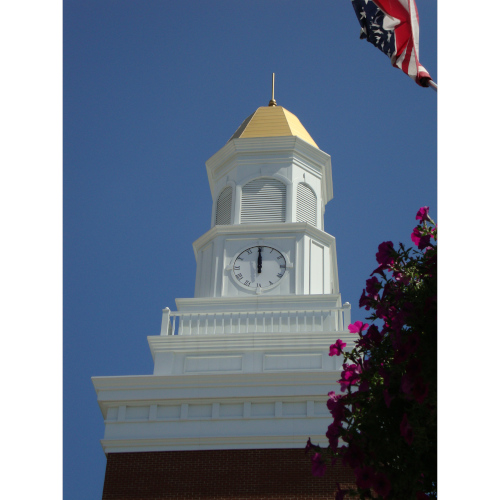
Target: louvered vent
{"x":306,"y":205}
{"x":224,"y":202}
{"x":263,"y":200}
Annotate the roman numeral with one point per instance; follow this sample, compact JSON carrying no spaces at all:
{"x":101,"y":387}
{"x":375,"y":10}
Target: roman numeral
{"x":279,"y":275}
{"x":247,"y":283}
{"x":270,"y":282}
{"x":236,"y":268}
{"x":239,"y":277}
{"x":239,"y":258}
{"x":249,"y":252}
{"x":259,"y":285}
{"x":283,"y":266}
{"x":280,"y":257}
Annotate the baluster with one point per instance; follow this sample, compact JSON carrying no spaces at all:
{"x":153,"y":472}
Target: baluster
{"x":279,"y":321}
{"x":231,"y":323}
{"x":313,"y":320}
{"x":181,"y":325}
{"x":255,"y":321}
{"x":247,"y":321}
{"x":239,"y":322}
{"x":297,"y":321}
{"x":272,"y":322}
{"x":190,"y":322}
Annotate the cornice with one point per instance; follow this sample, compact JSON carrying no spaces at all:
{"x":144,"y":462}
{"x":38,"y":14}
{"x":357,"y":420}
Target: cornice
{"x":209,"y":381}
{"x":210,"y":443}
{"x":303,"y":342}
{"x":259,"y":303}
{"x":264,"y":229}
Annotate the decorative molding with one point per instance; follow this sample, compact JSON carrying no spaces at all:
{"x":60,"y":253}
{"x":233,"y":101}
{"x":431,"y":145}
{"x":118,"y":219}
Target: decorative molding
{"x":210,"y":443}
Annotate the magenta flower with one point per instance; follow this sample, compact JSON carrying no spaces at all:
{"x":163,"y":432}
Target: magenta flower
{"x":379,"y":270}
{"x":358,"y":327}
{"x":318,"y":465}
{"x":406,"y":429}
{"x":336,"y":349}
{"x":365,"y":301}
{"x":423,"y":214}
{"x":374,"y":335}
{"x":386,"y":253}
{"x":381,"y":484}
{"x":333,"y":434}
{"x":372,"y":287}
{"x":364,"y":477}
{"x":353,"y":456}
{"x":416,"y":235}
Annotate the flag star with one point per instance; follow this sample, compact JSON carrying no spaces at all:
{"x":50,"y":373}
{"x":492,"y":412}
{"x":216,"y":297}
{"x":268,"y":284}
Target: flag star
{"x":362,"y":15}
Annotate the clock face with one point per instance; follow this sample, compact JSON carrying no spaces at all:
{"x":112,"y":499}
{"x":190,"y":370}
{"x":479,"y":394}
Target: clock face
{"x":259,"y":267}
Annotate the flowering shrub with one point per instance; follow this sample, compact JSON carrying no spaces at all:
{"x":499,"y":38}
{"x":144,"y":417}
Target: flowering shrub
{"x":385,"y":417}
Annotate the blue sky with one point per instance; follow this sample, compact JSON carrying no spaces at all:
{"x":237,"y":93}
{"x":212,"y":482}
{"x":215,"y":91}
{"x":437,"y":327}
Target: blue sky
{"x":151,"y":91}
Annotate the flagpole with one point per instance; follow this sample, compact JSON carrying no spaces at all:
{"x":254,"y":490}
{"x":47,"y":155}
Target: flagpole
{"x":433,"y":85}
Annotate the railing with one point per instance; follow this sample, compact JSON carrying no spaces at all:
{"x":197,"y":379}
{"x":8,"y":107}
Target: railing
{"x":291,"y":321}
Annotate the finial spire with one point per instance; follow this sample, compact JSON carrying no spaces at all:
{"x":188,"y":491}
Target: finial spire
{"x":272,"y":102}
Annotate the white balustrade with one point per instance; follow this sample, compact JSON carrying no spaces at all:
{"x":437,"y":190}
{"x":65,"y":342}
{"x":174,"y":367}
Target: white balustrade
{"x":290,"y":321}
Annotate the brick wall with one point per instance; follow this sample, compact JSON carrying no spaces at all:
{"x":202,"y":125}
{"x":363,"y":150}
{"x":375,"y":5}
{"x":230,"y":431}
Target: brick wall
{"x":219,"y":474}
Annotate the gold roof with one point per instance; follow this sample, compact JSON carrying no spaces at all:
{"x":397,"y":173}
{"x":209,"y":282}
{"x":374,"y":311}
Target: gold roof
{"x":272,"y":121}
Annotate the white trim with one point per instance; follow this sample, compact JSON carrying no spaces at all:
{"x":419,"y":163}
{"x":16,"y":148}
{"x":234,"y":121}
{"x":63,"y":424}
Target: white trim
{"x":211,"y":443}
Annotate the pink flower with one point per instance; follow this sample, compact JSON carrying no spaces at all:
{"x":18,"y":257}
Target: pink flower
{"x":336,"y":349}
{"x":358,"y":327}
{"x":385,"y":254}
{"x":372,"y":287}
{"x":333,"y":433}
{"x":423,"y":214}
{"x":406,"y":429}
{"x":365,"y":301}
{"x":416,"y":235}
{"x":379,"y":270}
{"x":374,"y":335}
{"x":364,"y":477}
{"x":381,"y":484}
{"x":318,"y":466}
{"x":349,"y":376}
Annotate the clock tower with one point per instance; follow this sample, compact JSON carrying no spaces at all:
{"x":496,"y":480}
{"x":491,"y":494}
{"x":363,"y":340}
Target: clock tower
{"x":241,"y":370}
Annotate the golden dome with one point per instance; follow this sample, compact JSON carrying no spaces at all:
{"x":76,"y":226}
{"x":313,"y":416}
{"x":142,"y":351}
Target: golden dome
{"x":272,"y":121}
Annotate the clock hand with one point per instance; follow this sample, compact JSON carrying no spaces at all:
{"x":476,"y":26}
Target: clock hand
{"x":259,"y":261}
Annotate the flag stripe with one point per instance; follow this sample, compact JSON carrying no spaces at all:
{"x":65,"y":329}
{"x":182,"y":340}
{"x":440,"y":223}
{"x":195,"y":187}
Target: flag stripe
{"x":393,"y":27}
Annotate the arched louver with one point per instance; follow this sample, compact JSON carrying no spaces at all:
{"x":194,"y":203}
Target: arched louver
{"x":224,"y":203}
{"x":263,"y":200}
{"x":306,"y":205}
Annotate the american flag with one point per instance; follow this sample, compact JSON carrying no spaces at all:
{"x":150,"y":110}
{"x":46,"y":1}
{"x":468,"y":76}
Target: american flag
{"x":392,"y":26}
